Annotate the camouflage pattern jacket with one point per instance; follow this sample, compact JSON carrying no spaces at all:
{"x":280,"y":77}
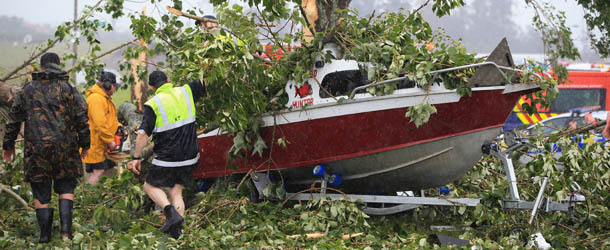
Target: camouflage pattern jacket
{"x":56,"y":125}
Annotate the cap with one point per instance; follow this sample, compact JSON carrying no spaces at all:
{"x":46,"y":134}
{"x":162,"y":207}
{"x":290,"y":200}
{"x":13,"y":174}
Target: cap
{"x":49,"y":60}
{"x":157,"y":78}
{"x":111,"y":78}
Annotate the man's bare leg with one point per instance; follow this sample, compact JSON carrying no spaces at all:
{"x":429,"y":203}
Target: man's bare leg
{"x":175,"y":196}
{"x":157,"y":195}
{"x":173,"y":219}
{"x":38,"y":205}
{"x":67,"y":196}
{"x":108,"y":173}
{"x":95,"y":176}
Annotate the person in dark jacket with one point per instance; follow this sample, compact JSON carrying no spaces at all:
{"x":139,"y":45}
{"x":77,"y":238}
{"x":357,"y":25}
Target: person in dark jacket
{"x":56,"y":126}
{"x":169,"y":117}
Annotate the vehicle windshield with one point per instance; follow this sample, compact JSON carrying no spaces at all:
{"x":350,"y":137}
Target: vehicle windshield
{"x":575,"y":98}
{"x":553,"y":125}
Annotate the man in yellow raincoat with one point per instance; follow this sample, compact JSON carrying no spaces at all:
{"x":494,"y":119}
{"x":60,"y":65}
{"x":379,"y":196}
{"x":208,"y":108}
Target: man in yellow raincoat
{"x":103,"y":125}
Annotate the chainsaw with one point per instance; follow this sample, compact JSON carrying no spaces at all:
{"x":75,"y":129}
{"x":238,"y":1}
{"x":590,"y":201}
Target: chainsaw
{"x":119,"y":138}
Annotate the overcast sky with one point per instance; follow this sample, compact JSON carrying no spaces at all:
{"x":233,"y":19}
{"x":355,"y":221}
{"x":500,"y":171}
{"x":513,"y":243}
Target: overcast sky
{"x":53,"y":12}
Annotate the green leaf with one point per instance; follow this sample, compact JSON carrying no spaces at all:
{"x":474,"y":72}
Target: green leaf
{"x":420,"y":113}
{"x":461,"y":210}
{"x":259,"y":146}
{"x":77,"y":238}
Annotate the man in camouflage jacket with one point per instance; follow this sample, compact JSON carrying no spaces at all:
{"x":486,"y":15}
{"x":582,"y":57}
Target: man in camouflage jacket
{"x":56,"y":126}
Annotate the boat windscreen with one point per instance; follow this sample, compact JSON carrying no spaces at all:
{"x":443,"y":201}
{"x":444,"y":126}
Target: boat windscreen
{"x":343,"y":82}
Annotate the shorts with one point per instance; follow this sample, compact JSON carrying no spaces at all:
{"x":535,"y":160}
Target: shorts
{"x":42,"y":190}
{"x":107,"y":164}
{"x":170,"y":176}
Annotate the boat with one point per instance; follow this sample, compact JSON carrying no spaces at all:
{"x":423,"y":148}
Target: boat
{"x":367,"y":140}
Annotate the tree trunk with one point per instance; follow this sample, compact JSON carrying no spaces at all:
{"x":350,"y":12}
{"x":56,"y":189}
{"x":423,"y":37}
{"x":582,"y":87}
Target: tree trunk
{"x":6,"y":101}
{"x":138,"y":91}
{"x":321,"y":15}
{"x":6,"y":94}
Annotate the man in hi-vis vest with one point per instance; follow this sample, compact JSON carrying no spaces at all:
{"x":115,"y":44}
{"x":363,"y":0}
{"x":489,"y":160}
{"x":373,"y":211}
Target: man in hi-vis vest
{"x":169,"y":117}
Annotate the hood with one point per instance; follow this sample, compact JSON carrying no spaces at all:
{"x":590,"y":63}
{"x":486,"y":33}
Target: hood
{"x":96,"y":89}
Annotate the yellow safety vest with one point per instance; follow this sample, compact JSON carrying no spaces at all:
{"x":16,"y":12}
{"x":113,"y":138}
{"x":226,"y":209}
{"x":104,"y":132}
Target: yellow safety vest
{"x":174,"y":107}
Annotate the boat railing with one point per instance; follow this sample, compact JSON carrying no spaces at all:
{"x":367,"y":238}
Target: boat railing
{"x":436,"y":72}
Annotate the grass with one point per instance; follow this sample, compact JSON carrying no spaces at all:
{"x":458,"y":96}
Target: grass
{"x":120,"y":96}
{"x":14,"y":55}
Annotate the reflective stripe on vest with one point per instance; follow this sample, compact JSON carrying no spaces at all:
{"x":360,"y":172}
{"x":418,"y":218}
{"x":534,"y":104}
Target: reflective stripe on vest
{"x":161,"y":163}
{"x":167,"y":119}
{"x":161,"y":110}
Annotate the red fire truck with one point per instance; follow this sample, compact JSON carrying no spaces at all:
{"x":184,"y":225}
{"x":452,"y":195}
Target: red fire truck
{"x":587,"y":85}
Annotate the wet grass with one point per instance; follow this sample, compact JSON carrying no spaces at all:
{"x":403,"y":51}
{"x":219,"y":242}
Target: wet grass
{"x":13,"y":55}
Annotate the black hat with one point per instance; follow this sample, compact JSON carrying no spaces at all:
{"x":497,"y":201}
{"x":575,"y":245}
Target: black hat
{"x":110,"y":78}
{"x":157,"y":78}
{"x":49,"y":60}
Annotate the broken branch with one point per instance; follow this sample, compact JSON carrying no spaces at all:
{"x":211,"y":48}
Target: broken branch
{"x":203,"y":19}
{"x":317,"y":235}
{"x":16,"y":196}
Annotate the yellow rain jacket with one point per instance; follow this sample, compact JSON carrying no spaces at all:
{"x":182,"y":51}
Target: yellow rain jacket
{"x":103,"y":123}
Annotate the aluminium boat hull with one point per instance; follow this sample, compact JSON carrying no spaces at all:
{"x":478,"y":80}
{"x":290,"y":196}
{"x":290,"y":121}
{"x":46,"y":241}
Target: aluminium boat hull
{"x":369,"y":141}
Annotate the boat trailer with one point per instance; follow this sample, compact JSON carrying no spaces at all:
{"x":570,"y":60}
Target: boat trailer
{"x":391,"y":204}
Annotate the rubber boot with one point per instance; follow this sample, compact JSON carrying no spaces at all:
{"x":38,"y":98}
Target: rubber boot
{"x":45,"y":221}
{"x":65,"y":215}
{"x":173,"y":222}
{"x":176,"y":230}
